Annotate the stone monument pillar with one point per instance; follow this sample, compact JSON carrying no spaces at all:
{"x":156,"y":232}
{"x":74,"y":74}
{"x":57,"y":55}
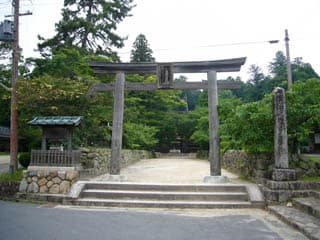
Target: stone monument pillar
{"x":282,"y":172}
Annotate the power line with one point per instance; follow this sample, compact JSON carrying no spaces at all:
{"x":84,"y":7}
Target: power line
{"x":219,"y":45}
{"x":212,"y":45}
{"x":42,"y":3}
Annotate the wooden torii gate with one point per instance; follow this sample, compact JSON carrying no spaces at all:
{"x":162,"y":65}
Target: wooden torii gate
{"x":165,"y":78}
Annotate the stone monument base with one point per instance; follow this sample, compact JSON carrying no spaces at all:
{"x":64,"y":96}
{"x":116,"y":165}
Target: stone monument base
{"x":283,"y":186}
{"x":284,"y":174}
{"x":215,"y":179}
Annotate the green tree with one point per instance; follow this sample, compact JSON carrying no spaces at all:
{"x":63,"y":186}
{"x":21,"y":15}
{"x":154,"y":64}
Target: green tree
{"x":141,"y":51}
{"x":228,"y":102}
{"x":5,"y":64}
{"x":139,"y":136}
{"x":5,"y":77}
{"x":250,"y":127}
{"x":89,"y":25}
{"x":52,"y":96}
{"x":190,"y":96}
{"x":4,"y":107}
{"x":303,"y":109}
{"x":66,"y":63}
{"x":256,"y":74}
{"x":302,"y":71}
{"x":278,"y":67}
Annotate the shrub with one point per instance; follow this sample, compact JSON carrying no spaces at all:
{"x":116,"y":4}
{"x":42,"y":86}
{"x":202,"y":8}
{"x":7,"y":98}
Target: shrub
{"x":24,"y":159}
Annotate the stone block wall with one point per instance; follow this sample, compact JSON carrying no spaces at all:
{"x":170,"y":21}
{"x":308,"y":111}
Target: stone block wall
{"x":248,"y":165}
{"x":48,"y":181}
{"x":96,"y":161}
{"x":305,"y":165}
{"x":260,"y":166}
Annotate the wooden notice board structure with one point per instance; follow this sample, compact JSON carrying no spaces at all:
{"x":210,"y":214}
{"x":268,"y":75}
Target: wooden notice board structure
{"x":58,"y":129}
{"x":164,"y":72}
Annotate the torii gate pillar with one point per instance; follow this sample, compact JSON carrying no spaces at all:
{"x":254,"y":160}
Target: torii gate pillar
{"x":214,"y":142}
{"x":117,"y":125}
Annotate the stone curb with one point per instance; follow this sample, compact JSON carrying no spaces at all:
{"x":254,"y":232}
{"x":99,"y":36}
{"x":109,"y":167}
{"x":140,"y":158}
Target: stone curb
{"x":308,"y":225}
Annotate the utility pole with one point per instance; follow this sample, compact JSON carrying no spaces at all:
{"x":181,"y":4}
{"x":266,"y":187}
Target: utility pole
{"x":289,"y":71}
{"x":14,"y":97}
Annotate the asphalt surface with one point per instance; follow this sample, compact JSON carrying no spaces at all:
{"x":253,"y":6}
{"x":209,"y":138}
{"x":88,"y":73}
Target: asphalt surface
{"x":4,"y":163}
{"x":26,"y":221}
{"x":4,"y":167}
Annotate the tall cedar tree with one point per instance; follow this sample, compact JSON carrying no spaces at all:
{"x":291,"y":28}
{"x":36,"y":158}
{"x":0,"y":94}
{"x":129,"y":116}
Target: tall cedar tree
{"x":89,"y":25}
{"x":141,"y":51}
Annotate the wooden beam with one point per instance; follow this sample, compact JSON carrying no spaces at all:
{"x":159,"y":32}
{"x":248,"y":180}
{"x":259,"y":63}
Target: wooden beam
{"x":226,"y":65}
{"x":129,"y":86}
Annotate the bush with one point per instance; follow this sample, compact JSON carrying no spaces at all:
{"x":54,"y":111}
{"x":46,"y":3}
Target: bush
{"x":24,"y":159}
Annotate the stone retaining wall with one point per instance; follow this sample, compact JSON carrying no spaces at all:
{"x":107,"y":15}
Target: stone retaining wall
{"x":249,"y":165}
{"x":96,"y":161}
{"x":259,"y":166}
{"x":305,"y":165}
{"x":8,"y":188}
{"x":48,"y":181}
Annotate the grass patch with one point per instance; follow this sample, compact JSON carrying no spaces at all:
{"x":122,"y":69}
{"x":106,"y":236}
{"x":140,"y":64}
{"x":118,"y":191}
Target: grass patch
{"x":314,"y":159}
{"x":310,"y":179}
{"x":311,"y":157}
{"x":4,"y":153}
{"x":17,"y":175}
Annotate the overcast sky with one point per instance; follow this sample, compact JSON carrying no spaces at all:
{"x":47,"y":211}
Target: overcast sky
{"x":192,"y":30}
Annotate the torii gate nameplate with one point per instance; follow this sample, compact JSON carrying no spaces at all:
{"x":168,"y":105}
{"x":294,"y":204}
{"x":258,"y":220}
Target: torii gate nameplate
{"x":165,"y":73}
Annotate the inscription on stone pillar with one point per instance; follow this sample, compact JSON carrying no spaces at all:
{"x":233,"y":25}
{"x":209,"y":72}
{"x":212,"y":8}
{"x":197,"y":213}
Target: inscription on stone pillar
{"x":280,"y":129}
{"x":282,"y":171}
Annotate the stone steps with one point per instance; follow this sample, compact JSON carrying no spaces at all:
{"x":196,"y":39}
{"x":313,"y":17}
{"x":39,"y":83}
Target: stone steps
{"x":315,"y":194}
{"x":309,"y":205}
{"x":164,"y":195}
{"x":160,"y":204}
{"x":168,"y":195}
{"x":307,"y":224}
{"x":166,"y":187}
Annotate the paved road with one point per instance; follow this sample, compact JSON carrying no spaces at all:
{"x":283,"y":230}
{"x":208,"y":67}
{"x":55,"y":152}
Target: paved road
{"x":26,"y":221}
{"x":4,"y":163}
{"x":4,"y":168}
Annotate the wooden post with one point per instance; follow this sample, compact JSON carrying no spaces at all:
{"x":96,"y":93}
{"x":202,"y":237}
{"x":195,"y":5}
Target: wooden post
{"x":117,"y":124}
{"x":44,"y":141}
{"x":214,"y":148}
{"x":289,"y":71}
{"x":70,"y":133}
{"x":14,"y":93}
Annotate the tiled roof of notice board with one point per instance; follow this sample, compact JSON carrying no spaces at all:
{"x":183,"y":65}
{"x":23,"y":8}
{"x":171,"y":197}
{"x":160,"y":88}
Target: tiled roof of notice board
{"x":56,"y":121}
